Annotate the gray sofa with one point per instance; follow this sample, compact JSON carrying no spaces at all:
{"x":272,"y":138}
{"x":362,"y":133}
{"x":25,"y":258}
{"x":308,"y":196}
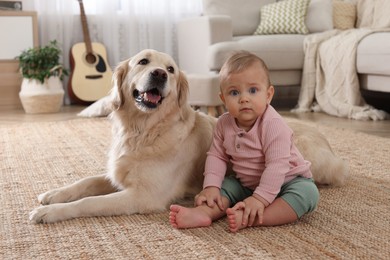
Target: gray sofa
{"x":227,"y":25}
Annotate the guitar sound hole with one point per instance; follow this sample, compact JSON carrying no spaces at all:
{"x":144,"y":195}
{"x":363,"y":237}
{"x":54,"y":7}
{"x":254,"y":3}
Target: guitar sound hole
{"x":90,"y":58}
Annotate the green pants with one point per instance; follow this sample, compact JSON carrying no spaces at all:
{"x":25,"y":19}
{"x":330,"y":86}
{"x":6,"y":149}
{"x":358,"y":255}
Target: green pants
{"x":300,"y":193}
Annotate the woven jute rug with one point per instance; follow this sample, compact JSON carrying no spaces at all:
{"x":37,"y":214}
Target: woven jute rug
{"x":351,"y":222}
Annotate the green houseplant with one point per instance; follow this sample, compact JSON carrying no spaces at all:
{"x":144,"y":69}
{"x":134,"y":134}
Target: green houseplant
{"x":41,"y":90}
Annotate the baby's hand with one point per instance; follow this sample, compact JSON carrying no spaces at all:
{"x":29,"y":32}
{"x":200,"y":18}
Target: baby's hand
{"x":251,"y":207}
{"x":209,"y":196}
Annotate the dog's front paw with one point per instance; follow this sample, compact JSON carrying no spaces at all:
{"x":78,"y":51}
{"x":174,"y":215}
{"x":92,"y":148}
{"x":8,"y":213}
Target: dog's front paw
{"x":40,"y":215}
{"x":53,"y":196}
{"x":46,"y":214}
{"x":45,"y":198}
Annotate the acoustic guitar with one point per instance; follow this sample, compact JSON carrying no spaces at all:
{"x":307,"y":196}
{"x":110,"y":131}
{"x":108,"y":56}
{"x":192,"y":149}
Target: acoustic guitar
{"x":90,"y":77}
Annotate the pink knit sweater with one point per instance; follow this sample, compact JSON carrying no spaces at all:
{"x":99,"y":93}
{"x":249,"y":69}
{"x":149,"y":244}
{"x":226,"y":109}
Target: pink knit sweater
{"x":264,"y":158}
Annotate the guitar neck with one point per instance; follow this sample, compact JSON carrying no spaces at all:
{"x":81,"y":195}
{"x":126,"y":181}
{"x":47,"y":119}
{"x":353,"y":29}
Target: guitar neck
{"x":84,"y":23}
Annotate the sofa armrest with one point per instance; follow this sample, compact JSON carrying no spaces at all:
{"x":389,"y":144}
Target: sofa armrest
{"x":195,"y":35}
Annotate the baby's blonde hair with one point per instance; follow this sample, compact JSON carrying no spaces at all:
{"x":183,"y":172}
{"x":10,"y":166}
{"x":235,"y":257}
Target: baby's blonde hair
{"x":240,"y":61}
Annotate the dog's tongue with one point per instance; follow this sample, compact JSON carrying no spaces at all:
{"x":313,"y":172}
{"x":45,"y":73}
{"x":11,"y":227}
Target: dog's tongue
{"x":152,"y":97}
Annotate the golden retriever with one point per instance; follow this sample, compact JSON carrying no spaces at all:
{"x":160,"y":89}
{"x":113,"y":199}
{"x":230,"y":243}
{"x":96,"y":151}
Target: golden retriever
{"x":159,"y":146}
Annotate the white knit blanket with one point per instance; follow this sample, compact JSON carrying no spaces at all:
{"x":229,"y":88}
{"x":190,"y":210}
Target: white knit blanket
{"x":330,"y":77}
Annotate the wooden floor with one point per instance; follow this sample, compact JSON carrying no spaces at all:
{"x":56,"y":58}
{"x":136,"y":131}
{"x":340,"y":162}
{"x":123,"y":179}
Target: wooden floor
{"x":379,"y":128}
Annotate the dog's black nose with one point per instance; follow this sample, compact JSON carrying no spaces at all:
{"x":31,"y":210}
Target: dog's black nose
{"x":159,"y":74}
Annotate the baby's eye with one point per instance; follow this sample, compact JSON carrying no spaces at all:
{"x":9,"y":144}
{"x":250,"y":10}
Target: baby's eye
{"x":234,"y":92}
{"x":253,"y":90}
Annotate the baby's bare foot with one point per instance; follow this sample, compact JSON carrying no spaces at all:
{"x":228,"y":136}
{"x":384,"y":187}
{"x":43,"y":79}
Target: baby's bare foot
{"x":235,"y":219}
{"x":182,"y":217}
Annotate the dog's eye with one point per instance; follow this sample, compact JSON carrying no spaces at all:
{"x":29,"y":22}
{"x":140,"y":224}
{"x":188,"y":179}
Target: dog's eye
{"x":171,"y":69}
{"x":143,"y":62}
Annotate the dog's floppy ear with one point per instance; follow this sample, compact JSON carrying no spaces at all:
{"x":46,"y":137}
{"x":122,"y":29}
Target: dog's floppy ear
{"x":118,"y":77}
{"x":182,"y":89}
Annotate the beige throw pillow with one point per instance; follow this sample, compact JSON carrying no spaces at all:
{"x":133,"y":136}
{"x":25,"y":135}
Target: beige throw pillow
{"x":344,"y":15}
{"x":285,"y":17}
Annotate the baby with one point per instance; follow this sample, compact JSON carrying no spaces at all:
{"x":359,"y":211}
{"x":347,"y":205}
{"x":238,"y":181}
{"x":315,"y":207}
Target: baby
{"x":272,"y":183}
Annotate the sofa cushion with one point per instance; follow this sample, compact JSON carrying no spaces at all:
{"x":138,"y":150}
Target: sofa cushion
{"x":344,"y":14}
{"x":283,"y":17}
{"x":245,"y":14}
{"x":319,"y":16}
{"x":279,"y":51}
{"x":373,"y":54}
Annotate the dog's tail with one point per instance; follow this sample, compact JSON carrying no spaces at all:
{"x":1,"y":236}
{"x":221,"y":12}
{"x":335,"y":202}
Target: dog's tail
{"x":326,"y":166}
{"x":333,"y":171}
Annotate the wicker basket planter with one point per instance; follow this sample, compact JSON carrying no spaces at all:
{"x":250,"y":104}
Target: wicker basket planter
{"x":41,"y":90}
{"x":38,"y":98}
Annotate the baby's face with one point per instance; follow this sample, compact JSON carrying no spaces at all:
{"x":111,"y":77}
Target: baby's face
{"x":246,"y":94}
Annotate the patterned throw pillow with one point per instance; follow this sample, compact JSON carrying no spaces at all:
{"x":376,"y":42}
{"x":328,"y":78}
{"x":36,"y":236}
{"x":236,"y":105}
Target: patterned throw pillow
{"x":285,"y":17}
{"x":344,"y":15}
